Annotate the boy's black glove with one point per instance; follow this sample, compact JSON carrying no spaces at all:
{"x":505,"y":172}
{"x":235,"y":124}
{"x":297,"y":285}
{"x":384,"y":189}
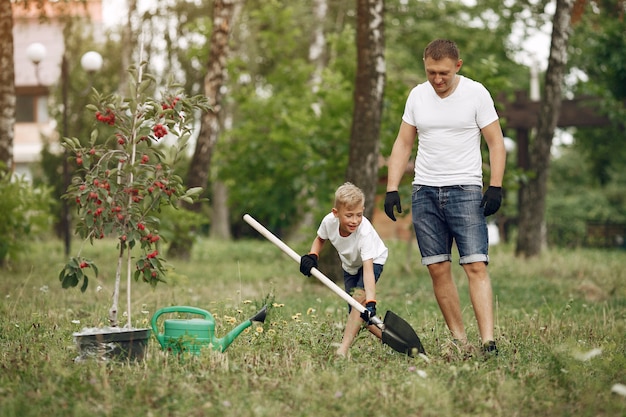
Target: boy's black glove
{"x":307,"y":262}
{"x":491,"y":200}
{"x":370,"y":311}
{"x":392,"y":199}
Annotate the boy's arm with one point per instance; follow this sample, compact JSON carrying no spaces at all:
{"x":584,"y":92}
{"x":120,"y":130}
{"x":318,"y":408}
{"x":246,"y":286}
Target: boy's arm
{"x":369,"y":282}
{"x":317,"y":245}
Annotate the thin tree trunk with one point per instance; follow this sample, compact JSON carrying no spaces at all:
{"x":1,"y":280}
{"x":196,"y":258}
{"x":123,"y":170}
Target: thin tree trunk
{"x":7,"y":86}
{"x":128,"y":46}
{"x":317,"y":57}
{"x":531,"y":236}
{"x":220,"y":224}
{"x":317,"y":48}
{"x":368,"y":99}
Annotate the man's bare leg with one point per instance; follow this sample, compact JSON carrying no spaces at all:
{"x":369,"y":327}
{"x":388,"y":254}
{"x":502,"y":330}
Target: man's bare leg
{"x":481,"y":295}
{"x":447,"y":297}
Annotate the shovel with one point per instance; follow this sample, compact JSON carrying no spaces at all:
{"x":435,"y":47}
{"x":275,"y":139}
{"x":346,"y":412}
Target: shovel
{"x":396,"y":332}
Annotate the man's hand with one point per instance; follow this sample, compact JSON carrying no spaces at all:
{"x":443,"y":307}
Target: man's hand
{"x":370,"y":311}
{"x":392,"y":199}
{"x":308,"y":262}
{"x":492,"y":200}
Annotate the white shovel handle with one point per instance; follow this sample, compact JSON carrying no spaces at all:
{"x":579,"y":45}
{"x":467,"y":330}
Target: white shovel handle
{"x":314,"y":271}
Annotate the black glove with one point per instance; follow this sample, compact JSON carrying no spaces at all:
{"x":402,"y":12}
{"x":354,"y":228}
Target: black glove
{"x":307,"y":262}
{"x":491,"y":200}
{"x":370,"y":311}
{"x":392,"y":199}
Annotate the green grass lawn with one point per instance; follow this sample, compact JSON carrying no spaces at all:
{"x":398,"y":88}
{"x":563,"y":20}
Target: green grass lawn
{"x":560,"y":327}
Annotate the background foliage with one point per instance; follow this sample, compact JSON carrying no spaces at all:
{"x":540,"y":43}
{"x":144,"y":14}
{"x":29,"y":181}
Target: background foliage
{"x":25,"y":214}
{"x":284,"y":147}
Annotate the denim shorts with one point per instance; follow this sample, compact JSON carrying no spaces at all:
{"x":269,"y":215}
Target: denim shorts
{"x":356,"y":281}
{"x":442,"y":215}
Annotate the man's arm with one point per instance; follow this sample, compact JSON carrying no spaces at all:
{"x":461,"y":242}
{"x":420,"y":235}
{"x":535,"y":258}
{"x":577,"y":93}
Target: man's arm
{"x":400,"y":154}
{"x":497,"y":152}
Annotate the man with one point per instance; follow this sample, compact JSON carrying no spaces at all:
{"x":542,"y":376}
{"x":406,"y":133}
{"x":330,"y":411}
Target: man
{"x":449,"y":113}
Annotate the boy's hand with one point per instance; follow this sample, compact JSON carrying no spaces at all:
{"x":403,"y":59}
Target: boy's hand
{"x":392,"y":199}
{"x":308,"y":262}
{"x":370,"y":311}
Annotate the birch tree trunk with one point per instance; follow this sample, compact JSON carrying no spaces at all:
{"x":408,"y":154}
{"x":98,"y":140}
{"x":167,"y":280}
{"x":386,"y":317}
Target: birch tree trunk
{"x":224,"y":13}
{"x":368,"y":99}
{"x":220,"y":224}
{"x":317,"y":48}
{"x":7,"y":86}
{"x":531,"y":236}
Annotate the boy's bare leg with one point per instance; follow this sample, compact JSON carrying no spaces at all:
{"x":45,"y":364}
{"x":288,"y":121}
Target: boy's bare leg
{"x":353,"y":325}
{"x":375,"y":330}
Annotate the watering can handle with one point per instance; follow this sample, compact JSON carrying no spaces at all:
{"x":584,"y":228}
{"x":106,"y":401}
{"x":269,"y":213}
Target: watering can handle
{"x":179,"y":309}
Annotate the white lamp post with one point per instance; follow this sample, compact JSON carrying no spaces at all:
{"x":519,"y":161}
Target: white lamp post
{"x":91,"y":62}
{"x":36,"y":52}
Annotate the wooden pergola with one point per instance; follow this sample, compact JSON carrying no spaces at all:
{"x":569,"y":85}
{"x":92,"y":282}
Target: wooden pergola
{"x":522,"y":115}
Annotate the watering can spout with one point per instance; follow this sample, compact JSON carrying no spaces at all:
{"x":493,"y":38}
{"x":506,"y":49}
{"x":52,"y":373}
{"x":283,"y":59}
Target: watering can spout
{"x":224,"y":342}
{"x":259,"y":317}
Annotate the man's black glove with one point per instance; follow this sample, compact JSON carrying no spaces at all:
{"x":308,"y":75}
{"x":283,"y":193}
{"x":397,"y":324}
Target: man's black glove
{"x":307,"y":262}
{"x":392,"y":199}
{"x":370,"y":311}
{"x":491,"y":200}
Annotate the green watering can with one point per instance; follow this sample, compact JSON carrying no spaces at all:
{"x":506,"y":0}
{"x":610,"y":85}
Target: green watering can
{"x":191,"y":335}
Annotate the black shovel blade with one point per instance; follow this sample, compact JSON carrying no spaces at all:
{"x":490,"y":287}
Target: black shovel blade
{"x":400,"y":336}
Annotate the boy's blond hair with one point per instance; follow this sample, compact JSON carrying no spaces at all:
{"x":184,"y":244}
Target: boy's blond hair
{"x":349,"y":195}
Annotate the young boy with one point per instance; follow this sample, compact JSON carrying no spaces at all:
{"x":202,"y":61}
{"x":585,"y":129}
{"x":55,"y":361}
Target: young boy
{"x":362,"y":254}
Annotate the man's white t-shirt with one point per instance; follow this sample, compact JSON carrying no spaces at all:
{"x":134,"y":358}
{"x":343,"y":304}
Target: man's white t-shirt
{"x":361,"y":245}
{"x":449,"y":132}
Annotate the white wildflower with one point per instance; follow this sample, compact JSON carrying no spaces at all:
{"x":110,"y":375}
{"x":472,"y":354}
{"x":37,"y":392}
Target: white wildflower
{"x":585,"y":356}
{"x":619,"y":389}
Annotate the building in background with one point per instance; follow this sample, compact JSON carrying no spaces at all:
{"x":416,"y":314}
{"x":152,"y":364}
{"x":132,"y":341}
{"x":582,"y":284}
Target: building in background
{"x":40,"y":23}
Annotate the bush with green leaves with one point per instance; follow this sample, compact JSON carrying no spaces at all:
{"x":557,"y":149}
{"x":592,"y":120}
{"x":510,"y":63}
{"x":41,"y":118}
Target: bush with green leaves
{"x":25,"y":213}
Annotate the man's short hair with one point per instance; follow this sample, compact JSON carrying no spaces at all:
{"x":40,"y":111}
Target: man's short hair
{"x":440,"y":49}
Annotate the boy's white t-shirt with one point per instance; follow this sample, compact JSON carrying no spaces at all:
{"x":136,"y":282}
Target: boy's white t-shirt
{"x":449,"y":132}
{"x":361,"y":245}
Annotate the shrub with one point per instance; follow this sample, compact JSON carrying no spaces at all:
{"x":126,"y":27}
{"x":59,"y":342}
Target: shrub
{"x":25,"y":213}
